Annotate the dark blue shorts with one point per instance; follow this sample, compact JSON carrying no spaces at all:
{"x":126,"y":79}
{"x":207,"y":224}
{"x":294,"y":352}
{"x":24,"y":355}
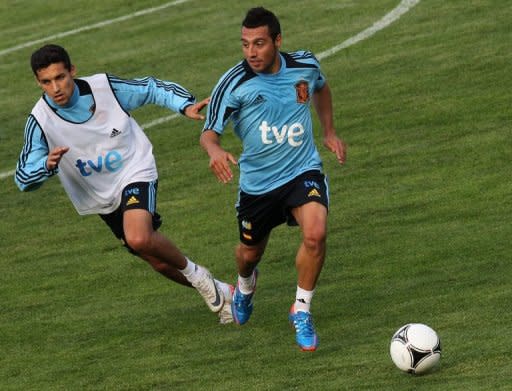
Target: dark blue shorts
{"x":137,"y":195}
{"x":259,"y":214}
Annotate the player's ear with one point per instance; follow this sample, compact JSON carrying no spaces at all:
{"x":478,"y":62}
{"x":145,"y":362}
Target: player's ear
{"x":72,"y":71}
{"x":277,"y":41}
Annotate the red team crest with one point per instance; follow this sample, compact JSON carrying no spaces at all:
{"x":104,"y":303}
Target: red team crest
{"x":302,"y":90}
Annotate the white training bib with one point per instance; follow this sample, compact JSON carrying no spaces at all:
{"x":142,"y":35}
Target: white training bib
{"x":106,"y":152}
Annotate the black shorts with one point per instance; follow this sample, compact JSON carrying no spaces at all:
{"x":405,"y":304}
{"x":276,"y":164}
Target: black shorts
{"x":137,"y":195}
{"x":259,"y":214}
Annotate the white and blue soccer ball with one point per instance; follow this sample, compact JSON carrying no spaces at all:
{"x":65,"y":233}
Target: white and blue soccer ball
{"x":415,"y":348}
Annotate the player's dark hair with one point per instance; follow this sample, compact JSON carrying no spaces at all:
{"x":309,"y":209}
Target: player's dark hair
{"x":47,"y":55}
{"x":258,"y":17}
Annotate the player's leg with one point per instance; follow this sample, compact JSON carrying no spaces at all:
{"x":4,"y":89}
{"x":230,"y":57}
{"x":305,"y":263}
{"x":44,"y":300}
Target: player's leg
{"x":256,"y":218}
{"x":312,"y":219}
{"x":308,"y":202}
{"x":147,"y":242}
{"x":309,"y":205}
{"x":166,"y":270}
{"x":172,"y":273}
{"x":153,"y":247}
{"x":135,"y":222}
{"x":115,"y":222}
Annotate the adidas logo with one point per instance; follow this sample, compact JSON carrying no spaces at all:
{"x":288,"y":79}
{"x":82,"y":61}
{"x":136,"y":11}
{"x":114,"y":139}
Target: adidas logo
{"x":259,"y":99}
{"x":132,"y":200}
{"x":115,"y":133}
{"x":314,"y":193}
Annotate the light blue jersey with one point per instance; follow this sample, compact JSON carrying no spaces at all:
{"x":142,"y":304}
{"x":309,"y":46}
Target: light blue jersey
{"x":271,"y":115}
{"x":31,"y":169}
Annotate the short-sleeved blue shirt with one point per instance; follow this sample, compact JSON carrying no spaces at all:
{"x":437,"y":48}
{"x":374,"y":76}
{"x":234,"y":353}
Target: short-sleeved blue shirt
{"x":271,"y":114}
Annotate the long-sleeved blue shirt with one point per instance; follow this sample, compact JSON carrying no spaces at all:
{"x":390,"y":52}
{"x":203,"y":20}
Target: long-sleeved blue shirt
{"x":31,"y":170}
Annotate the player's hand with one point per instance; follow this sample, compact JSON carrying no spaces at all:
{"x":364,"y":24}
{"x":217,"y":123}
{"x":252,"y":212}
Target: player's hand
{"x":336,"y":145}
{"x":219,"y":164}
{"x":55,"y":156}
{"x":193,"y":111}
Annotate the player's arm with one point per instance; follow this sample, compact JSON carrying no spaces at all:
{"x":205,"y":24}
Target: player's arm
{"x":322,"y":101}
{"x":219,"y":158}
{"x":223,"y":104}
{"x":32,"y":168}
{"x":134,"y":93}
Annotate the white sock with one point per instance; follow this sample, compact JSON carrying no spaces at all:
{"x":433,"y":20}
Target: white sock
{"x":189,"y":269}
{"x":303,"y":299}
{"x":246,"y":284}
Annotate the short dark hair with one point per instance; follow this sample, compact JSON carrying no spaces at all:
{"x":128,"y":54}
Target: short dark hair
{"x":258,"y":17}
{"x":47,"y":55}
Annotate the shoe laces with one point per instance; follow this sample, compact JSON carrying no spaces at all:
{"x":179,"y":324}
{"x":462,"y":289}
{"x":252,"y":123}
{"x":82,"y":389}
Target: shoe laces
{"x":203,"y":283}
{"x":303,"y":323}
{"x":240,"y":299}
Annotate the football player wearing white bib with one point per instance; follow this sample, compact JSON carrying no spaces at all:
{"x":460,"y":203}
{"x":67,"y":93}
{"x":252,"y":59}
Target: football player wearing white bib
{"x":81,"y":131}
{"x":267,"y":97}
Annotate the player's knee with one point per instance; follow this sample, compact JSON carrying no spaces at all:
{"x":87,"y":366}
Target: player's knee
{"x":248,"y":255}
{"x":138,"y":243}
{"x":314,"y":240}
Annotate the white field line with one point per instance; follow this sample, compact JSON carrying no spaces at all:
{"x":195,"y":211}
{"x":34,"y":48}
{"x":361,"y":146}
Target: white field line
{"x":159,"y":121}
{"x":6,"y":174}
{"x":92,"y":26}
{"x":390,"y":17}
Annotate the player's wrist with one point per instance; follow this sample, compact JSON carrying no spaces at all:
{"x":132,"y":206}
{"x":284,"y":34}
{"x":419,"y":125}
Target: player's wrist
{"x":183,"y":110}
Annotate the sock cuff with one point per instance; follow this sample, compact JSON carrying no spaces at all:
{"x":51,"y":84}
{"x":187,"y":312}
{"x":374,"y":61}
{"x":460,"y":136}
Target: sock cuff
{"x":246,"y":284}
{"x":189,"y":269}
{"x":304,"y":295}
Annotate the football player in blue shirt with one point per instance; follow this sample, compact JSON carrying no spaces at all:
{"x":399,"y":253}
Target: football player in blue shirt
{"x":81,"y":131}
{"x":267,"y":97}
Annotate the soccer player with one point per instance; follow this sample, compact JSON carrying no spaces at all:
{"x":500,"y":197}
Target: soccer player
{"x":267,"y":97}
{"x":81,"y":130}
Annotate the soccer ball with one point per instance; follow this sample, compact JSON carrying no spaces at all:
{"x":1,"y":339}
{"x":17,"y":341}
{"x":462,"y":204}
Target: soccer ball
{"x":415,"y":348}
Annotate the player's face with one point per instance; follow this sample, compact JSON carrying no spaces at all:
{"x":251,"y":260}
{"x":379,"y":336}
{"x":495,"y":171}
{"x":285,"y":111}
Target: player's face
{"x":260,"y":51}
{"x":57,"y":82}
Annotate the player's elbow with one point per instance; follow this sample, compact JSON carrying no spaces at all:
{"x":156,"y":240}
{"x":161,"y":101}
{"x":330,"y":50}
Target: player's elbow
{"x":26,"y":186}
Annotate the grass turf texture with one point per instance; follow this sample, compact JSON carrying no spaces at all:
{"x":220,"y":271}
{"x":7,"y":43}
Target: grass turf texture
{"x":419,"y":222}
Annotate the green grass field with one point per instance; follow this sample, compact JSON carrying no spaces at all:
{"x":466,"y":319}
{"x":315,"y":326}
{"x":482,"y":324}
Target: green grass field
{"x":420,"y":221}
